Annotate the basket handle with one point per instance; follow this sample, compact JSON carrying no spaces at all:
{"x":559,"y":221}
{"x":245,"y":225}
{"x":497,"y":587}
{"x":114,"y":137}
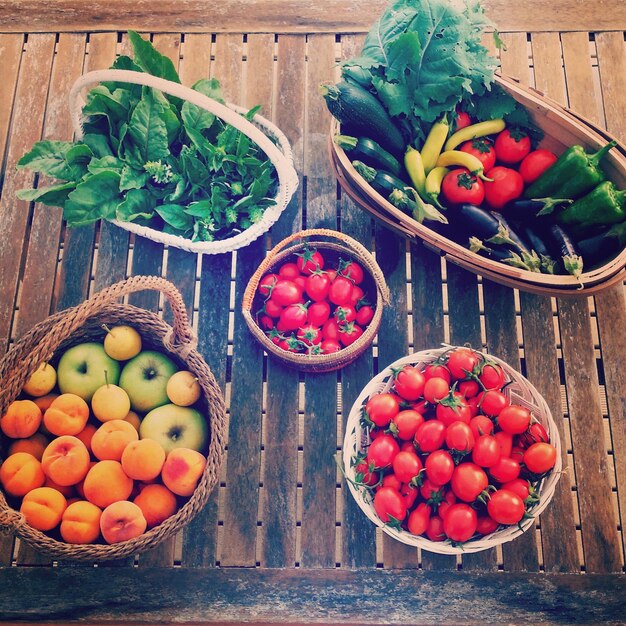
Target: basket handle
{"x":282,"y":160}
{"x":364,"y":255}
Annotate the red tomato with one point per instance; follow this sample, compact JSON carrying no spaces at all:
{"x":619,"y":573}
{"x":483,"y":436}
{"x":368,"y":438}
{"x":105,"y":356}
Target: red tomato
{"x":512,"y":145}
{"x":535,"y":164}
{"x":461,"y":362}
{"x":459,"y":437}
{"x":290,"y":344}
{"x":409,"y":382}
{"x":351,"y":270}
{"x":430,"y":436}
{"x":436,"y":389}
{"x":453,"y":408}
{"x":419,"y":519}
{"x":301,"y":282}
{"x":517,"y":454}
{"x":309,"y":260}
{"x":491,"y":402}
{"x":266,"y":322}
{"x":391,"y":480}
{"x":505,"y":470}
{"x":406,"y":424}
{"x":357,"y":294}
{"x":266,"y":284}
{"x":492,"y":376}
{"x":439,"y":467}
{"x":318,"y":313}
{"x":460,"y":521}
{"x":486,"y":451}
{"x":469,"y":388}
{"x":389,"y":505}
{"x":462,"y":120}
{"x":330,"y":329}
{"x":536,"y":432}
{"x":486,"y":525}
{"x":410,"y":494}
{"x":317,"y":286}
{"x":272,"y":309}
{"x":288,"y":271}
{"x":286,"y":292}
{"x":435,"y":531}
{"x":468,"y":481}
{"x":459,"y":187}
{"x":382,"y":451}
{"x":437,"y":370}
{"x":345,"y":313}
{"x":431,"y":491}
{"x":349,"y":333}
{"x":381,"y":408}
{"x":340,"y":291}
{"x":309,"y":335}
{"x":520,"y":486}
{"x":482,"y":149}
{"x":444,"y":506}
{"x":406,"y":466}
{"x":330,"y":346}
{"x":505,"y":442}
{"x":365,"y":475}
{"x":540,"y":457}
{"x":505,"y":507}
{"x":292,"y":317}
{"x":514,"y":419}
{"x":472,"y":403}
{"x":364,"y":315}
{"x":506,"y":185}
{"x":481,"y":425}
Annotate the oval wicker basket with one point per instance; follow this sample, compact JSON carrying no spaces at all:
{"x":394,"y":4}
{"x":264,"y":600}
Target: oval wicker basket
{"x":265,"y":134}
{"x":520,"y":391}
{"x":562,"y":128}
{"x":344,"y":246}
{"x":47,"y":340}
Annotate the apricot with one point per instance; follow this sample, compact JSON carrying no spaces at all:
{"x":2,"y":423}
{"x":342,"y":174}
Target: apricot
{"x":80,"y":485}
{"x":34,"y":445}
{"x":66,"y":490}
{"x":143,"y":459}
{"x":43,"y":508}
{"x":45,"y":401}
{"x":157,"y":503}
{"x":134,"y":419}
{"x":111,"y":438}
{"x":67,"y":415}
{"x":81,"y":522}
{"x":121,"y":521}
{"x":106,"y":483}
{"x":86,"y":434}
{"x":21,"y":420}
{"x":182,"y":470}
{"x":20,"y":473}
{"x":66,"y":460}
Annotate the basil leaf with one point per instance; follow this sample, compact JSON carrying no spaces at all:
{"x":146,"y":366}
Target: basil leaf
{"x":131,"y":178}
{"x":201,"y":208}
{"x":210,"y":88}
{"x":98,"y":144}
{"x":138,"y":204}
{"x":109,"y":163}
{"x":55,"y":195}
{"x":58,"y":159}
{"x":150,"y":60}
{"x":100,"y":101}
{"x":195,"y":117}
{"x":95,"y":198}
{"x":147,"y":129}
{"x":175,"y":216}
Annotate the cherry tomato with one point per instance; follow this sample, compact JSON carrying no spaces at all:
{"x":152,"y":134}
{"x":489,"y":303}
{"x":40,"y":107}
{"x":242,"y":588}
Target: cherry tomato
{"x":349,"y":333}
{"x":430,"y":436}
{"x":492,"y":401}
{"x":419,"y":519}
{"x":292,"y":317}
{"x":505,"y":507}
{"x":340,"y":291}
{"x":266,"y":284}
{"x":517,"y":454}
{"x":540,"y":457}
{"x":356,"y":295}
{"x":290,"y":344}
{"x":444,"y":506}
{"x":453,"y":408}
{"x":459,"y":187}
{"x":409,"y":382}
{"x":506,"y":185}
{"x":439,"y":467}
{"x":266,"y":322}
{"x":329,"y":346}
{"x":469,"y":388}
{"x":318,"y":313}
{"x":309,"y":261}
{"x":460,"y":522}
{"x":520,"y":486}
{"x":382,"y":451}
{"x":289,"y":271}
{"x":514,"y":419}
{"x":435,"y":389}
{"x":481,"y":425}
{"x":345,"y":313}
{"x":381,"y":408}
{"x":492,"y":376}
{"x":330,"y":329}
{"x":272,"y":309}
{"x":437,"y":370}
{"x":435,"y":531}
{"x":389,"y":505}
{"x":472,"y":403}
{"x":364,"y":315}
{"x":461,"y":362}
{"x":462,"y":120}
{"x":536,"y":432}
{"x":286,"y":292}
{"x":486,"y":452}
{"x":468,"y":481}
{"x":410,"y":494}
{"x":353,"y":271}
{"x":365,"y":475}
{"x":459,"y":437}
{"x":512,"y":145}
{"x":406,"y":424}
{"x":431,"y":491}
{"x":317,"y":286}
{"x":505,"y":443}
{"x":535,"y":164}
{"x":482,"y":149}
{"x":301,"y":282}
{"x":505,"y":470}
{"x":309,"y":335}
{"x":391,"y":480}
{"x":485,"y":525}
{"x":406,"y":466}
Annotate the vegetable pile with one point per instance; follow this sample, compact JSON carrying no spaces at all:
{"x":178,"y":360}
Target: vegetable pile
{"x":310,"y":308}
{"x":449,"y":455}
{"x":425,"y":125}
{"x":155,"y":160}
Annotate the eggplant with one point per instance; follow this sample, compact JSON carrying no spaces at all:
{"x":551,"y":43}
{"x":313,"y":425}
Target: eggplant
{"x":602,"y":246}
{"x":526,"y":210}
{"x":564,"y":248}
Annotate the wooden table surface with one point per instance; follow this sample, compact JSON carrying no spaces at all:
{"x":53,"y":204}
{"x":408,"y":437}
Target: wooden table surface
{"x":281,"y":539}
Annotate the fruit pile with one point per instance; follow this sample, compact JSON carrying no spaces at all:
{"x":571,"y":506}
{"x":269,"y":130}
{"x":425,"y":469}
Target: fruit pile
{"x":107,"y":445}
{"x":309,"y":308}
{"x":450,"y":456}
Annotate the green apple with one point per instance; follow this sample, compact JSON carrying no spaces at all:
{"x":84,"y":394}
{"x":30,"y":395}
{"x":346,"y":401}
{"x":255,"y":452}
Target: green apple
{"x":85,"y":368}
{"x":175,"y":426}
{"x":144,"y":378}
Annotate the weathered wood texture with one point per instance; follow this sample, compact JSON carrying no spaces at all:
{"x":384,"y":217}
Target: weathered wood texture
{"x":287,"y":16}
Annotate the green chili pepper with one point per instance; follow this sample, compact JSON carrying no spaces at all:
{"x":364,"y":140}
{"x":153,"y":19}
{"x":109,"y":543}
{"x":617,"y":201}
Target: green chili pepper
{"x":600,"y":207}
{"x":574,"y":174}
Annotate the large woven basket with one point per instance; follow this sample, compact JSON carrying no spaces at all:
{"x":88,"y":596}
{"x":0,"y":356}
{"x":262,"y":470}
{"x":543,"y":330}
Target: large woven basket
{"x":265,"y":134}
{"x":82,"y":323}
{"x":562,"y":128}
{"x":519,"y":391}
{"x":340,"y":245}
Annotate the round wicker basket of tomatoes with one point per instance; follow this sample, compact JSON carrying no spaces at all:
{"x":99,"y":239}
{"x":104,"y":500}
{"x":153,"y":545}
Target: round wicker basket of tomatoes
{"x":451,"y":450}
{"x":317,"y":304}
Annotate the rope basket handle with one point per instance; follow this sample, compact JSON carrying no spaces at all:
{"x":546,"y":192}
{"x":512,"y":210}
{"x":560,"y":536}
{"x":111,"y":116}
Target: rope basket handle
{"x":364,"y":255}
{"x":281,"y":160}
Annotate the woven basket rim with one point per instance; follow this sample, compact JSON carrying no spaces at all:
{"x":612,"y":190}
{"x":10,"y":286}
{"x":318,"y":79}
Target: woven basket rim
{"x":383,"y":381}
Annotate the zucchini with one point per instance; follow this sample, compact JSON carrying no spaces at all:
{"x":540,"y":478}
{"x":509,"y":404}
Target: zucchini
{"x":363,"y":115}
{"x":369,"y":152}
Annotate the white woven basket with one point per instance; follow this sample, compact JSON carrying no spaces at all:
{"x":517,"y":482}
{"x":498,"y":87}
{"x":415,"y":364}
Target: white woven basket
{"x":356,"y":440}
{"x":279,"y":154}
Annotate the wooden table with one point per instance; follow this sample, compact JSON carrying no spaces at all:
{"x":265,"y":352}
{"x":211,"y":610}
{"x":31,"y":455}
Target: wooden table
{"x":281,"y":539}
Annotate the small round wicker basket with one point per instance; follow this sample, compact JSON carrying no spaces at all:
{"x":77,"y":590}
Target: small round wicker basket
{"x":356,"y":440}
{"x":48,"y":339}
{"x":341,"y":245}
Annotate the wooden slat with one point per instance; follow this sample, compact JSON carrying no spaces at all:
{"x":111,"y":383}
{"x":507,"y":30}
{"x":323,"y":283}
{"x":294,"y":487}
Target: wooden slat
{"x":11,"y":53}
{"x":241,"y":498}
{"x":287,"y":16}
{"x":318,"y":596}
{"x":281,"y":432}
